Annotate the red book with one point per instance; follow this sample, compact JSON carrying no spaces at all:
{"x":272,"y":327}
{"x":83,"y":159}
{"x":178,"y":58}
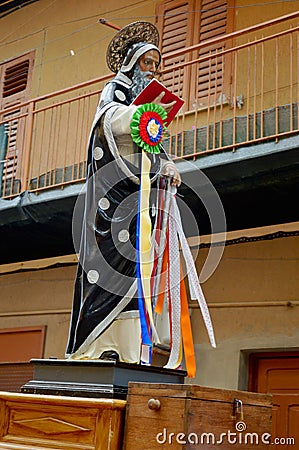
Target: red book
{"x":152,"y":90}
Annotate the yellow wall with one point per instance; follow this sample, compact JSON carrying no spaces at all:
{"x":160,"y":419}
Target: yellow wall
{"x":56,"y":28}
{"x":249,"y":13}
{"x":53,"y":29}
{"x":24,"y":295}
{"x":247,"y":296}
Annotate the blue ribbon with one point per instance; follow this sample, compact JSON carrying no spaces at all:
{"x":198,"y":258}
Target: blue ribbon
{"x":146,"y":339}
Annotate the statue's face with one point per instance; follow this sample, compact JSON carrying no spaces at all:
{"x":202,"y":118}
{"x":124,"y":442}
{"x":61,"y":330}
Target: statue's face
{"x":149,"y":62}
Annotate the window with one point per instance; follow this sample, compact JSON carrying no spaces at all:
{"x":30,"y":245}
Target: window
{"x":15,"y":78}
{"x":15,"y":84}
{"x":17,"y":347}
{"x":185,"y":23}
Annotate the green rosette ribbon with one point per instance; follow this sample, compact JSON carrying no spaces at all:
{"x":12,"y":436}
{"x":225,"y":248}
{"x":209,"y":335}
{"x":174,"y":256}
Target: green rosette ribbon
{"x":147,"y":127}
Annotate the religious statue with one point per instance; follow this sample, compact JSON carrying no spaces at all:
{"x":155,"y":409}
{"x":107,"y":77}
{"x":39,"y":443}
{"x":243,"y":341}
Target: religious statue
{"x":129,"y":261}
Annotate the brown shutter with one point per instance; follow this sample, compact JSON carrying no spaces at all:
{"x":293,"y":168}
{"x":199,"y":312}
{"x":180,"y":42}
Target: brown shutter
{"x":11,"y":159}
{"x":213,"y":23}
{"x":15,"y":87}
{"x":185,"y":23}
{"x":17,"y":347}
{"x":14,"y":376}
{"x":175,"y":24}
{"x":15,"y":78}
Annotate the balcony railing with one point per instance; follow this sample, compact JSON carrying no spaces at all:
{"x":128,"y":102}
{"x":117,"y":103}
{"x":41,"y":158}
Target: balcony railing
{"x":239,"y":89}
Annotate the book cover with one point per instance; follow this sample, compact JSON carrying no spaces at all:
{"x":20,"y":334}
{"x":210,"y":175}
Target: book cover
{"x":152,"y":90}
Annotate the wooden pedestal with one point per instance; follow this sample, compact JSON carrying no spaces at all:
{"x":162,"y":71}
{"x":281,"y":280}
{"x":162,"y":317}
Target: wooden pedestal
{"x":188,"y":416}
{"x":29,"y":422}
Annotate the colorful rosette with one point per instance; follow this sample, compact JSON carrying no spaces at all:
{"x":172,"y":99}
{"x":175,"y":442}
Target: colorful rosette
{"x":147,"y":126}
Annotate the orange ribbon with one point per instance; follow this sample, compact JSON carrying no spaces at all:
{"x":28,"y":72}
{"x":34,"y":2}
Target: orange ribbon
{"x":187,"y":332}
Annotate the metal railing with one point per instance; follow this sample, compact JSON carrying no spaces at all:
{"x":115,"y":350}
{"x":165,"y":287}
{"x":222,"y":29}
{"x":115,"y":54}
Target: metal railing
{"x":239,"y":89}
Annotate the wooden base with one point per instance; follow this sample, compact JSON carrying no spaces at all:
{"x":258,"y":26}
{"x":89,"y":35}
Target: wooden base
{"x":157,"y":416}
{"x":93,"y":378}
{"x":179,"y":417}
{"x":40,"y":422}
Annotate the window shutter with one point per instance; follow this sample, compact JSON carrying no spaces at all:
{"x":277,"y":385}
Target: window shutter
{"x":174,"y":24}
{"x":9,"y":171}
{"x":17,"y":347}
{"x":186,"y":23}
{"x":15,"y":87}
{"x":15,"y":78}
{"x":213,"y":23}
{"x":14,"y":376}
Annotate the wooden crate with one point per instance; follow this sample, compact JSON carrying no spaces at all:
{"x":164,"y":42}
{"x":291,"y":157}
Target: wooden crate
{"x":188,"y":416}
{"x":29,"y":422}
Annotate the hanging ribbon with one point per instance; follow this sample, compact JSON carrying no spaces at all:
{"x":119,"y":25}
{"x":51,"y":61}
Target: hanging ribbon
{"x":147,"y":128}
{"x":145,"y":330}
{"x":195,"y":288}
{"x":162,"y":280}
{"x":144,"y":246}
{"x":175,"y":357}
{"x":187,"y":332}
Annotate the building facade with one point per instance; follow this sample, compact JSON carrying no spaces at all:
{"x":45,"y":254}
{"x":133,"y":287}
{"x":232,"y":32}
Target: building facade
{"x":235,"y":142}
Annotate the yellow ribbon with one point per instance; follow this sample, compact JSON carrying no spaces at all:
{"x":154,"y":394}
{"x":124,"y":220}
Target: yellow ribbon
{"x":145,"y":238}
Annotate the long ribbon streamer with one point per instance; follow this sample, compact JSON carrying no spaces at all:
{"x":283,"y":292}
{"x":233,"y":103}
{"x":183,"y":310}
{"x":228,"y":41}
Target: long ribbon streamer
{"x":145,"y":230}
{"x":195,"y":287}
{"x":174,"y":286}
{"x":187,"y":332}
{"x":145,"y":332}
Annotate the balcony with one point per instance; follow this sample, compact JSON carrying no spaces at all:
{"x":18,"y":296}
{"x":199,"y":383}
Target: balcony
{"x":241,"y":97}
{"x":239,"y":90}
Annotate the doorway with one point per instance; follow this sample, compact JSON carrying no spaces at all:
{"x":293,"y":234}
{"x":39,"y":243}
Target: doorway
{"x":278,"y":373}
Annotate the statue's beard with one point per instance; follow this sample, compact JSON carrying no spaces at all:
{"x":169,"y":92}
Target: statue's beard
{"x":140,"y":81}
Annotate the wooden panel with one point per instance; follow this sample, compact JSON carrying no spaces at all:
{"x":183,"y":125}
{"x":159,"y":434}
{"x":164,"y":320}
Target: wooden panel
{"x":190,"y":414}
{"x":213,"y":424}
{"x":285,"y":419}
{"x":293,"y":413}
{"x":278,"y":373}
{"x":43,"y":422}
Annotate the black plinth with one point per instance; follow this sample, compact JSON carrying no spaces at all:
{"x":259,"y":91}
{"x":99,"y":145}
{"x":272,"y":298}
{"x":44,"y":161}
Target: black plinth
{"x":93,"y":378}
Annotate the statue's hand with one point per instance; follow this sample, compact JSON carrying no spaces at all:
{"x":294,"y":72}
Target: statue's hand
{"x":169,"y":170}
{"x":166,"y":106}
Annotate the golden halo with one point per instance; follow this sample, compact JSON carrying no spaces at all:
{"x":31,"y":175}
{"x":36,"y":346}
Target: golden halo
{"x":131,"y":34}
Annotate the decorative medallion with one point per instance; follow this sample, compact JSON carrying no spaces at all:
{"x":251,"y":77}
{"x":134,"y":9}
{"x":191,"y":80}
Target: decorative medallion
{"x":147,"y":127}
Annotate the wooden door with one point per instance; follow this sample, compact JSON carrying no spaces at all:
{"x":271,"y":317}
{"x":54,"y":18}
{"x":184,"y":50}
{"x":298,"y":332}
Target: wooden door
{"x":278,"y":374}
